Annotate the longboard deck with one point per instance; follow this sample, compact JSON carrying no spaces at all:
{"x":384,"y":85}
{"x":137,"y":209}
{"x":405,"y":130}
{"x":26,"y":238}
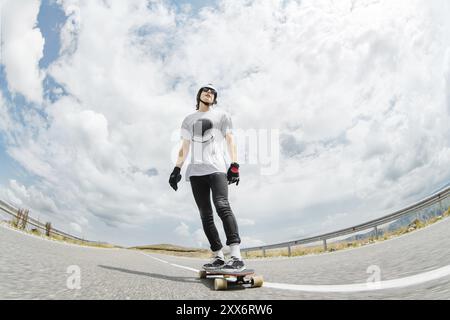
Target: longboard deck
{"x":246,"y":272}
{"x":221,"y":279}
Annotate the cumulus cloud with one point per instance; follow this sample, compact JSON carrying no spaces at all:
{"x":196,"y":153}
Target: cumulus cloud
{"x":22,"y":47}
{"x":357,"y":89}
{"x":42,"y":206}
{"x":5,"y":121}
{"x":246,"y":222}
{"x":76,"y":227}
{"x":183,"y":230}
{"x":251,"y":242}
{"x":200,"y":239}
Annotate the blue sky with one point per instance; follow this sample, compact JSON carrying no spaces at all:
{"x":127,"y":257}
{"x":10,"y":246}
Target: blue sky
{"x":90,"y":125}
{"x":50,"y":19}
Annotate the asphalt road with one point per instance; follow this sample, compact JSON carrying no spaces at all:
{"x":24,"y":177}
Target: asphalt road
{"x":413,"y":266}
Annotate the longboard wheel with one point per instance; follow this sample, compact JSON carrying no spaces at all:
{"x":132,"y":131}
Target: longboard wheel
{"x":257,"y":281}
{"x":220,"y":284}
{"x":202,"y":274}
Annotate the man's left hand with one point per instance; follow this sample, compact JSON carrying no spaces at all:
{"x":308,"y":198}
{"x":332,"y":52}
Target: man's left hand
{"x":233,"y":173}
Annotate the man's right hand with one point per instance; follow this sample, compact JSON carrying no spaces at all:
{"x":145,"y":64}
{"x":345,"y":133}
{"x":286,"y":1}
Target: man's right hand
{"x":175,"y":177}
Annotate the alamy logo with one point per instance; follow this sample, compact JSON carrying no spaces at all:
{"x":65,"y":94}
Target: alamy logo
{"x":74,"y":280}
{"x":374,"y":281}
{"x":254,"y":146}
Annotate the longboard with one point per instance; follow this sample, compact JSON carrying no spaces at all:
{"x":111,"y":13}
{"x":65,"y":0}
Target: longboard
{"x":221,"y":278}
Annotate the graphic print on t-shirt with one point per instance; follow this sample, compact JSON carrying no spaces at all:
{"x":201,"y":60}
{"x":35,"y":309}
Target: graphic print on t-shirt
{"x":203,"y":131}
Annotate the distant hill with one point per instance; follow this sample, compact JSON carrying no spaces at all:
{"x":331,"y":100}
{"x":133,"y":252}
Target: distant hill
{"x":174,"y":250}
{"x":168,"y":247}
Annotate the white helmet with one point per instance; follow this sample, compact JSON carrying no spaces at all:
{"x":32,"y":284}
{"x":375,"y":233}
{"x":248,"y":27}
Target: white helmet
{"x":210,"y":86}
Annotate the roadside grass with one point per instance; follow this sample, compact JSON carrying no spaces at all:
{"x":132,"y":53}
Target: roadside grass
{"x":168,"y":249}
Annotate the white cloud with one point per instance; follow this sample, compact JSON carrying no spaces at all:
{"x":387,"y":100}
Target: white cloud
{"x":5,"y":121}
{"x":246,"y":222}
{"x":358,"y":90}
{"x":76,"y":227}
{"x":247,"y":242}
{"x":333,"y":222}
{"x":22,"y":47}
{"x":35,"y":199}
{"x":182,"y":230}
{"x":200,"y":239}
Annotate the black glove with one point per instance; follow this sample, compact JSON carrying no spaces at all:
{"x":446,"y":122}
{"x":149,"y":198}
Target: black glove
{"x":233,"y":173}
{"x":175,"y":177}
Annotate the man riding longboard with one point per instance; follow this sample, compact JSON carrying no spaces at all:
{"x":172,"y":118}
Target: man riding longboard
{"x":203,"y":134}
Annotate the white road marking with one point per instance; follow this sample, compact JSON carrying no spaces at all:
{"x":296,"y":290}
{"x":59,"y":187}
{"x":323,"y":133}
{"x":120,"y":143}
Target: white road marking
{"x":369,"y":286}
{"x":347,"y":288}
{"x":183,"y":267}
{"x":160,"y":260}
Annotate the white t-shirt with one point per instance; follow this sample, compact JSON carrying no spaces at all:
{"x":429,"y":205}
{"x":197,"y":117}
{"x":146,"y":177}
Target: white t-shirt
{"x":206,"y":131}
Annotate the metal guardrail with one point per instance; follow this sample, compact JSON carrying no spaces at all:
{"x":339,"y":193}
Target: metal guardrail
{"x":427,"y":202}
{"x":14,"y":212}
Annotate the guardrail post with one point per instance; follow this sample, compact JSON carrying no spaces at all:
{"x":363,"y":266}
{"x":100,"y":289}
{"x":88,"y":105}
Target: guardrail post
{"x":25,"y":219}
{"x":18,"y":218}
{"x":441,"y":208}
{"x":325,"y":248}
{"x":48,"y":229}
{"x":264,"y":252}
{"x":376,"y":232}
{"x":289,"y":251}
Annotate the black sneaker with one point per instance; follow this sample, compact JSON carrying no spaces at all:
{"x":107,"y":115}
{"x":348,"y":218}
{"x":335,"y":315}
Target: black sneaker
{"x":215,"y":264}
{"x":233,"y":265}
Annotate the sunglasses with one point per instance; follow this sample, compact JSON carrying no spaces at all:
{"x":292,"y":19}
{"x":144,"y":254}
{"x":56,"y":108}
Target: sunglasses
{"x":209,"y":89}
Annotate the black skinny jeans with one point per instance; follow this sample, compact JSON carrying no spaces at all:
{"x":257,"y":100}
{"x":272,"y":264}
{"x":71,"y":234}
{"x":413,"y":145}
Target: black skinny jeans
{"x":218,"y":183}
